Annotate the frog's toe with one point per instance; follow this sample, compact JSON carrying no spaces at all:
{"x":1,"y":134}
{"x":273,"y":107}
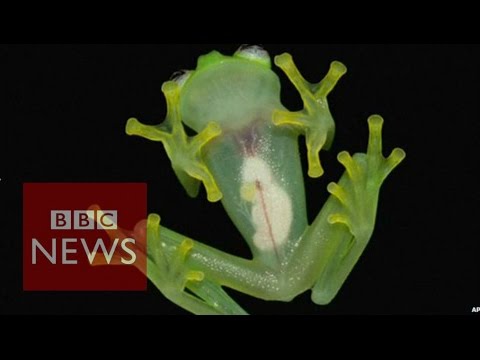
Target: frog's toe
{"x":376,"y":162}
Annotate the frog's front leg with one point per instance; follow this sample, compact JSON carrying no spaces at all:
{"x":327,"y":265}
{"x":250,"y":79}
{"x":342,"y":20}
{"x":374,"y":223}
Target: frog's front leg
{"x":342,"y":230}
{"x":315,"y":120}
{"x":185,"y":153}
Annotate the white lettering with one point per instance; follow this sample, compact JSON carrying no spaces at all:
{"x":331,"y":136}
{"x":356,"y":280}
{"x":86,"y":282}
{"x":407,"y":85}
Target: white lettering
{"x":36,"y":245}
{"x":128,"y":250}
{"x":91,"y":255}
{"x":66,"y":251}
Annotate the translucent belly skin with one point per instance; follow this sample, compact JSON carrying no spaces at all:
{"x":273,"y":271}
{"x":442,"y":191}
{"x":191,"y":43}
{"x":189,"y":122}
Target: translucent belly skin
{"x":256,"y":164}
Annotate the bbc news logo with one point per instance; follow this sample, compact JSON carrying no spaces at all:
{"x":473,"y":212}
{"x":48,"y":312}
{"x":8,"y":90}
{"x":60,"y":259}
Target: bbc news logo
{"x":84,"y":220}
{"x":68,"y":246}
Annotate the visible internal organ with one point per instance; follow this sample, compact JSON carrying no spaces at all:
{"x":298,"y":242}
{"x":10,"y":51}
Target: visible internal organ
{"x":271,"y":211}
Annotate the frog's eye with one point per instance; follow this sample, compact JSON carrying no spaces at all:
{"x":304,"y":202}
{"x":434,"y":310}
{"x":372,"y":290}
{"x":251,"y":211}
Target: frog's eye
{"x":254,"y":53}
{"x":181,"y":77}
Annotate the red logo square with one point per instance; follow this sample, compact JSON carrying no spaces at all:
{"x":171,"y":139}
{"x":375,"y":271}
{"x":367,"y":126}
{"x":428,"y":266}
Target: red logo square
{"x":74,"y":237}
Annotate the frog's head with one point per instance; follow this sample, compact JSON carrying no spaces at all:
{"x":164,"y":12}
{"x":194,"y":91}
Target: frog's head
{"x":230,"y":90}
{"x":252,"y":53}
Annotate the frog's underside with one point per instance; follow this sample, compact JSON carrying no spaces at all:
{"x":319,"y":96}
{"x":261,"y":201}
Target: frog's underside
{"x":246,"y":155}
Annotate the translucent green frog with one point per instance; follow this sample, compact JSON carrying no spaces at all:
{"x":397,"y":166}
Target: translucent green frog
{"x":246,"y":155}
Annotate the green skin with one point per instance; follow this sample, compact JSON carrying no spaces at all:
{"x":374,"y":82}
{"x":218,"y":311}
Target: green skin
{"x":233,"y":103}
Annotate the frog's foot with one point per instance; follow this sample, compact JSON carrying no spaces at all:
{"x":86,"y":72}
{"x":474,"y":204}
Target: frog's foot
{"x":184,"y":152}
{"x":169,"y":271}
{"x":357,"y":192}
{"x":315,"y":120}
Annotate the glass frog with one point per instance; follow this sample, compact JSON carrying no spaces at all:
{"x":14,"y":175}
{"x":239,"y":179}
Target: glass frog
{"x":245,"y":152}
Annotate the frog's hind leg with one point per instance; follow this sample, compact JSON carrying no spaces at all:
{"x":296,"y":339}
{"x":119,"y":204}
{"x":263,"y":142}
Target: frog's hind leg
{"x":350,"y":215}
{"x":168,"y":270}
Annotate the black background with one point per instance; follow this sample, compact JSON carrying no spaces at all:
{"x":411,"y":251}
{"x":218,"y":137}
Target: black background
{"x":65,"y":115}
